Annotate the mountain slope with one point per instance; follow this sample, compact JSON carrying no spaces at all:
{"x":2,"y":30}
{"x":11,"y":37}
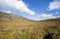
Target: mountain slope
{"x":50,"y":22}
{"x":10,"y":17}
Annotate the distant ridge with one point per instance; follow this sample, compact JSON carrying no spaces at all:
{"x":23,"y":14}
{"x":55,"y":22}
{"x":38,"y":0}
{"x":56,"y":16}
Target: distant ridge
{"x":52,"y":19}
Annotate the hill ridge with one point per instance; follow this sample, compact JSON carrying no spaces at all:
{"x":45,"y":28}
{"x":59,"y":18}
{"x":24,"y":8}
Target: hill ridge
{"x":11,"y":17}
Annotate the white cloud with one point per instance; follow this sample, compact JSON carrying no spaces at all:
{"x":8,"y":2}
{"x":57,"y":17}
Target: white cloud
{"x":19,"y":5}
{"x":54,"y":5}
{"x":44,"y":16}
{"x":7,"y":11}
{"x":47,"y":16}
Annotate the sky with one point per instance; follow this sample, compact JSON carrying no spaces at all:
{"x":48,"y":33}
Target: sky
{"x":32,"y":9}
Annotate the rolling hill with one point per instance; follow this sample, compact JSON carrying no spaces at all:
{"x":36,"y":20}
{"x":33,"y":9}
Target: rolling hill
{"x":10,"y":17}
{"x":18,"y":27}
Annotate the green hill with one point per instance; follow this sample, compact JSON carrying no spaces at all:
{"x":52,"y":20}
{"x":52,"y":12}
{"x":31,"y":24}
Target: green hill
{"x":18,"y":27}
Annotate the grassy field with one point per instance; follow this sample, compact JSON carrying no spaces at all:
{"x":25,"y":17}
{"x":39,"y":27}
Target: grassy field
{"x":27,"y":30}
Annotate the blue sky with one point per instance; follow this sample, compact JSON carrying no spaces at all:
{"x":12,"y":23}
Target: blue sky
{"x":32,"y":9}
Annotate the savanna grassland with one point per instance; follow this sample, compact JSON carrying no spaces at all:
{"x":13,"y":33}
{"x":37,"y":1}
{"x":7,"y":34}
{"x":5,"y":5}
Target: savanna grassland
{"x":17,"y":27}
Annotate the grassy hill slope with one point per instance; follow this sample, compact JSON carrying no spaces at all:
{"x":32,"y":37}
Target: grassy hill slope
{"x":22,"y":28}
{"x":10,"y":17}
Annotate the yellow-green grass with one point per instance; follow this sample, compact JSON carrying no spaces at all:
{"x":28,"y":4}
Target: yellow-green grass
{"x":27,"y":30}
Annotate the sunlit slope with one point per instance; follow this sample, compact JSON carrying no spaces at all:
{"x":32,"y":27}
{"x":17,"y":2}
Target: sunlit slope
{"x":11,"y":17}
{"x":22,"y":28}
